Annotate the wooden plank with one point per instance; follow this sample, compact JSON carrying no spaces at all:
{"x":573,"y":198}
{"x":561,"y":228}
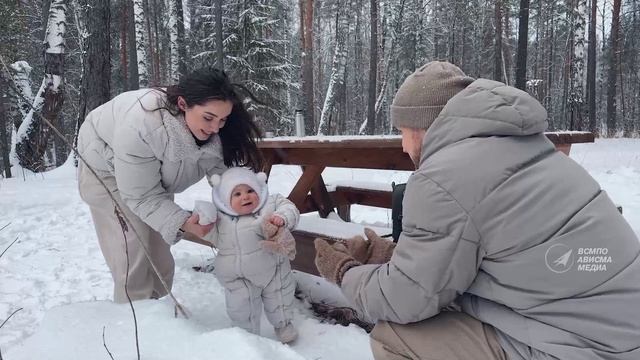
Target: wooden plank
{"x":369,"y":197}
{"x":570,"y":137}
{"x":374,"y":158}
{"x":565,"y":148}
{"x":305,"y":252}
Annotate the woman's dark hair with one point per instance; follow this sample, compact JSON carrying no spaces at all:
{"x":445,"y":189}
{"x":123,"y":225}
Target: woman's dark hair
{"x":240,"y":132}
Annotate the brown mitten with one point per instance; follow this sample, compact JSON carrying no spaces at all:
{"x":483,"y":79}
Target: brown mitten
{"x":333,"y":261}
{"x":380,"y":250}
{"x":278,"y":239}
{"x":359,"y":248}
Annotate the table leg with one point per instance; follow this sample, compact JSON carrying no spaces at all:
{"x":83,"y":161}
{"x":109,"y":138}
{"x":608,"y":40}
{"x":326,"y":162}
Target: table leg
{"x":321,"y":197}
{"x":310,"y":175}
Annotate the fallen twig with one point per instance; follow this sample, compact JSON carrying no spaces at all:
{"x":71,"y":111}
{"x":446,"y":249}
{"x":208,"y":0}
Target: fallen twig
{"x":5,"y":226}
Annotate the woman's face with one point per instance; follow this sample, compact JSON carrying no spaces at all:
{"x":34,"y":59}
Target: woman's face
{"x":207,"y":119}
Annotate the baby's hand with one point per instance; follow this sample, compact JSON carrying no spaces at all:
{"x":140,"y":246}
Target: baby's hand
{"x":276,"y":220}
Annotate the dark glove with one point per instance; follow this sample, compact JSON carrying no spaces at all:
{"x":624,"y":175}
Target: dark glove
{"x":333,"y":261}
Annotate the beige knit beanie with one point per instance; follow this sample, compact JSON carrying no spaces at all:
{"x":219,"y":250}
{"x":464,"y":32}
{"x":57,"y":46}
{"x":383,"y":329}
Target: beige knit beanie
{"x":424,"y":93}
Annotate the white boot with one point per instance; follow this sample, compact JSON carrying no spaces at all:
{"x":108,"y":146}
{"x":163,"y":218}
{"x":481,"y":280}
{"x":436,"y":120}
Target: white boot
{"x":286,"y":334}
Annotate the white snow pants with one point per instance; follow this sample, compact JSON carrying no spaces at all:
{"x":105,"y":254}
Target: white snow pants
{"x":245,"y":300}
{"x":142,"y":282}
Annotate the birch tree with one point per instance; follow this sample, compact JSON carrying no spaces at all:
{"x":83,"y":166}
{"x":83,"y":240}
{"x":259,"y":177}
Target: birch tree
{"x":141,"y":42}
{"x":591,"y":67}
{"x":373,"y":69}
{"x":306,"y":34}
{"x":613,"y":66}
{"x":176,"y":39}
{"x":337,"y":72}
{"x":33,"y":135}
{"x":576,"y":98}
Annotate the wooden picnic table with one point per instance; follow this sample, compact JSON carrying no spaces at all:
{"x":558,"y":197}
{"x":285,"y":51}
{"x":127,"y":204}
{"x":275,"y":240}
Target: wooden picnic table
{"x":314,"y":154}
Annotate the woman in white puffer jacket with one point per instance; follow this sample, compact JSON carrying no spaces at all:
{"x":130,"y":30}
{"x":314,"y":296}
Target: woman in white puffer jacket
{"x":146,"y":145}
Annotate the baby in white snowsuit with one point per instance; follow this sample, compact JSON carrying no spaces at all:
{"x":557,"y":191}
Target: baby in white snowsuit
{"x":253,"y":266}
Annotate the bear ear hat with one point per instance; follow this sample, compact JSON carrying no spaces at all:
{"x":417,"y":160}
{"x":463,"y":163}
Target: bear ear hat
{"x":262,"y":177}
{"x":215,"y":179}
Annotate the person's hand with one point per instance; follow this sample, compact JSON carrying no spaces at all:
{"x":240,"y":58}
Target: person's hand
{"x":276,"y":220}
{"x":374,"y":251}
{"x":359,"y":248}
{"x":380,"y":250}
{"x":333,"y":261}
{"x":192,"y":226}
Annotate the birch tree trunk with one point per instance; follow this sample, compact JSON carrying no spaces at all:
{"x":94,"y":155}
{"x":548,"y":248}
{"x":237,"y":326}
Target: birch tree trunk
{"x":20,"y":104}
{"x":141,"y":43}
{"x":373,"y":69}
{"x":576,"y":98}
{"x":174,"y":62}
{"x":306,"y":33}
{"x":337,"y":73}
{"x":591,"y":68}
{"x":497,"y":46}
{"x":33,"y":135}
{"x":613,"y":67}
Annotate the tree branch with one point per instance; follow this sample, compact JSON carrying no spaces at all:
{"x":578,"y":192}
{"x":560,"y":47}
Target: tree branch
{"x":13,"y":242}
{"x":104,"y":344}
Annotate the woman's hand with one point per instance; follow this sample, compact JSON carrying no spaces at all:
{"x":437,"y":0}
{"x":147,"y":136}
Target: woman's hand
{"x":192,"y":226}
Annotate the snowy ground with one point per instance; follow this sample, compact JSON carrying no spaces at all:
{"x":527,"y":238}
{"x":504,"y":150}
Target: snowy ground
{"x":56,"y":273}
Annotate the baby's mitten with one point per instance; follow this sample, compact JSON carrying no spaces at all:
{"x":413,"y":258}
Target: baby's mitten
{"x":278,"y":239}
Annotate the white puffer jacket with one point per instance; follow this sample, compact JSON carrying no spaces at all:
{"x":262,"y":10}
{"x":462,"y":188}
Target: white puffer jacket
{"x":151,"y":153}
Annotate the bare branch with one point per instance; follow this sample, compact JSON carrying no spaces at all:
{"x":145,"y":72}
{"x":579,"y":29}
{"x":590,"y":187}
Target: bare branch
{"x":13,"y":313}
{"x":13,"y":242}
{"x":104,"y":344}
{"x":123,"y":225}
{"x":5,"y":226}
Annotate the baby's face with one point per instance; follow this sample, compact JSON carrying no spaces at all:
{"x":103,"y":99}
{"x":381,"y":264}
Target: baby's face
{"x":244,"y":199}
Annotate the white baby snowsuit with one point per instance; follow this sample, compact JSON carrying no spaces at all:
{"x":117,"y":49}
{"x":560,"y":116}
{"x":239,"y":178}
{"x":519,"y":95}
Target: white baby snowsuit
{"x":252,"y":277}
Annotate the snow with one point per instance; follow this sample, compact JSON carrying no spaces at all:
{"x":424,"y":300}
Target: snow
{"x":56,"y":273}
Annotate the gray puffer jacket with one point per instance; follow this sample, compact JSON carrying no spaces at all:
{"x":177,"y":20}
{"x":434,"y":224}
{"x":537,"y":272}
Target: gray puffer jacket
{"x":237,"y":238}
{"x":151,"y":154}
{"x":518,"y":233}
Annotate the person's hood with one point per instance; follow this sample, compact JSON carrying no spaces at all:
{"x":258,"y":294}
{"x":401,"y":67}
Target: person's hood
{"x":484,"y":108}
